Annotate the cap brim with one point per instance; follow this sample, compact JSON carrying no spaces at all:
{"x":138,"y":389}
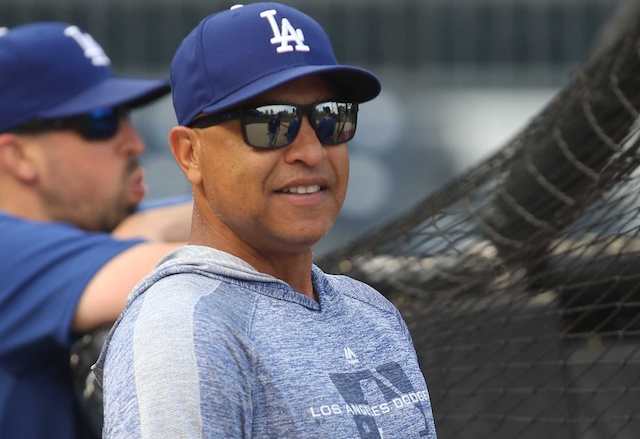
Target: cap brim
{"x":353,"y":83}
{"x":111,"y":92}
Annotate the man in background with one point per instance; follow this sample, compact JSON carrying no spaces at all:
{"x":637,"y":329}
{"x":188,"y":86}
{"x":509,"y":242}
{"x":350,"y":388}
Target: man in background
{"x":273,"y":128}
{"x":73,"y":241}
{"x":326,"y":126}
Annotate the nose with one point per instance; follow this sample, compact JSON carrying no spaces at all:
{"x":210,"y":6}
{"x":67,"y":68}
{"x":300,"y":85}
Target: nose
{"x":130,"y":142}
{"x":306,"y":147}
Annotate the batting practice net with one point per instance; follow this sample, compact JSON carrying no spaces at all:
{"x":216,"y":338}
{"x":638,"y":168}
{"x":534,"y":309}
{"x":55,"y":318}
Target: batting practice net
{"x":520,"y":281}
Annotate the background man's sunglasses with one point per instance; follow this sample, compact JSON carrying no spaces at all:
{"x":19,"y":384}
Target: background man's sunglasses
{"x":100,"y":124}
{"x":333,"y":121}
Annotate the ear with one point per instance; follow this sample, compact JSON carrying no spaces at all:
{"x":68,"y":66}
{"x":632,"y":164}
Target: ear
{"x":185,"y":147}
{"x":14,"y":159}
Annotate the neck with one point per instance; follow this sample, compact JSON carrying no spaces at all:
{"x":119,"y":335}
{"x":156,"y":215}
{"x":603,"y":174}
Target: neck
{"x":292,"y":267}
{"x":21,"y":203}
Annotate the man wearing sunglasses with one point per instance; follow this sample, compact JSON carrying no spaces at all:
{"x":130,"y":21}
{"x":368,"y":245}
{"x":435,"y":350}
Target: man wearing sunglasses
{"x":73,"y":242}
{"x":238,"y":334}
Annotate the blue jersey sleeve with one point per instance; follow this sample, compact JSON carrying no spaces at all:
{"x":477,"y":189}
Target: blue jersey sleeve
{"x":45,"y":268}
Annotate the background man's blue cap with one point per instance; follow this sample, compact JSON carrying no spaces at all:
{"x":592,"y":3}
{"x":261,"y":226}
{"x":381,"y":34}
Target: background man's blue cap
{"x":240,"y":53}
{"x":53,"y":70}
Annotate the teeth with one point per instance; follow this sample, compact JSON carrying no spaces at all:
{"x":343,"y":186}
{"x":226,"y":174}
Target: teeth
{"x":303,"y":189}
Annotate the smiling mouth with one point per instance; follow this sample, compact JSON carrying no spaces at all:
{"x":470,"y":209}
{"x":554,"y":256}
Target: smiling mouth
{"x":303,"y":189}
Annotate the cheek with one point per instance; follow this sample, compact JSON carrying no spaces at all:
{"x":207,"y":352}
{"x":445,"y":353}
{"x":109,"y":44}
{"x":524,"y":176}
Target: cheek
{"x":61,"y":169}
{"x":225,"y":179}
{"x":340,"y":163}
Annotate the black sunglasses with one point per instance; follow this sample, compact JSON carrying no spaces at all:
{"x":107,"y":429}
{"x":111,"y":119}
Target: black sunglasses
{"x":100,"y":124}
{"x":277,"y":125}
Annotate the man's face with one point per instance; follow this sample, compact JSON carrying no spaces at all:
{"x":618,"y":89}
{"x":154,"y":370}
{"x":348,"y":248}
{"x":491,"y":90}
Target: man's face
{"x":273,"y":201}
{"x":91,"y":184}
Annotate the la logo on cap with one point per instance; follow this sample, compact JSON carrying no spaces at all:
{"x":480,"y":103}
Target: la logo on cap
{"x":92,"y":50}
{"x":287,"y":34}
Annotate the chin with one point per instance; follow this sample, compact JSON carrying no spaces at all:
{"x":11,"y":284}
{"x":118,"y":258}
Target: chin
{"x":307,"y":241}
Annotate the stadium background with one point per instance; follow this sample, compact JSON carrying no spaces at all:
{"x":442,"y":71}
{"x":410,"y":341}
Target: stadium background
{"x":460,"y":77}
{"x":524,"y":320}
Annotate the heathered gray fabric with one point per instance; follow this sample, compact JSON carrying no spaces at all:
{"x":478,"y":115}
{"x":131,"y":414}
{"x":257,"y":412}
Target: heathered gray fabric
{"x":208,"y":347}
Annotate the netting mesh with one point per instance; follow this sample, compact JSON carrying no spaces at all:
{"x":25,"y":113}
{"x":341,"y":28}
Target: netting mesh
{"x":520,"y":280}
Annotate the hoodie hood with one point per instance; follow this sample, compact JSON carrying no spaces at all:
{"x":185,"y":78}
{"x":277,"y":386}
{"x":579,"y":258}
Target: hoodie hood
{"x":206,"y":260}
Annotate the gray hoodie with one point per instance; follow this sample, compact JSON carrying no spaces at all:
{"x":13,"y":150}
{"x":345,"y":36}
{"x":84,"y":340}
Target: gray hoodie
{"x":208,"y":347}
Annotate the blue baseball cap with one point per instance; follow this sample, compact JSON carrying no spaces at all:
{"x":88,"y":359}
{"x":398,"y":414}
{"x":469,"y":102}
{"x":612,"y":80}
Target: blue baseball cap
{"x":240,"y":53}
{"x":54,"y":70}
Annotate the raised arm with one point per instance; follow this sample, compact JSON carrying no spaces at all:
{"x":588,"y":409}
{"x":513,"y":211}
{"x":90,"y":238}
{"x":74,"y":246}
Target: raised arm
{"x":106,"y":294}
{"x":103,"y":299}
{"x":163,"y":224}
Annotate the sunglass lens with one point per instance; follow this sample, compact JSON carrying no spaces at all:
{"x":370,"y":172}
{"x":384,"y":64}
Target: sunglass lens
{"x":267,"y":126}
{"x":103,"y":123}
{"x":335,"y":122}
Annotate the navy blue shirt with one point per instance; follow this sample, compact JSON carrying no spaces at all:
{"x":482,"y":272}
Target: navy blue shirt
{"x":44,"y":269}
{"x":326,"y":127}
{"x":294,"y":127}
{"x":274,"y":124}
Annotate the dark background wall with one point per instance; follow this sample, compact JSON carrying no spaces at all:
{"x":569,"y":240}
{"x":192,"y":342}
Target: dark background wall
{"x":460,"y":77}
